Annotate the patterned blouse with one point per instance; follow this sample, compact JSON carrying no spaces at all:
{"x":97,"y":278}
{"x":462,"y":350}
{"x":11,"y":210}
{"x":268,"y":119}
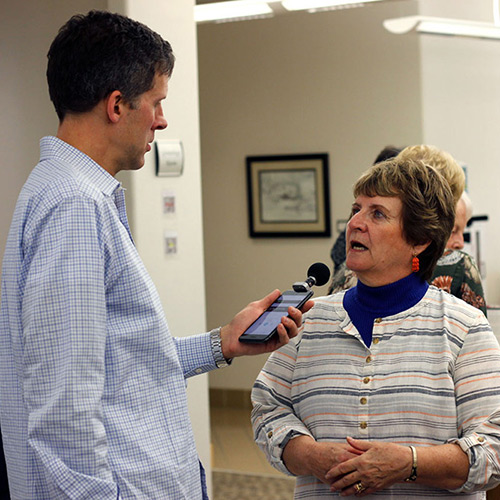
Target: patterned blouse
{"x":430,"y":376}
{"x":457,"y":273}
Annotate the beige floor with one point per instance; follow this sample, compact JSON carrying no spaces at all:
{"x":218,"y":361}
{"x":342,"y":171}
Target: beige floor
{"x":233,"y":447}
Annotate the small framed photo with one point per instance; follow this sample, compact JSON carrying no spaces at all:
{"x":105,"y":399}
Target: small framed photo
{"x":288,"y":195}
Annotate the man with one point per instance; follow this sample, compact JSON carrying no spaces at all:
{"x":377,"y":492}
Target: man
{"x":93,"y":401}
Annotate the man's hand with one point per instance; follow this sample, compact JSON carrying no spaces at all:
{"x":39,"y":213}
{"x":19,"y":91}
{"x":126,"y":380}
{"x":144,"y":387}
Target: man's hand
{"x":287,"y":329}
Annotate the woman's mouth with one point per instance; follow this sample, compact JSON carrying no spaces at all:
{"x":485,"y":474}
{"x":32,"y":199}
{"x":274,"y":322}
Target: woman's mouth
{"x":356,"y":245}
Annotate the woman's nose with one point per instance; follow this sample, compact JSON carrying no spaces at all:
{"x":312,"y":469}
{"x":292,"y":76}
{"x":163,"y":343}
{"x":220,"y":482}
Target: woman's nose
{"x":357,"y":221}
{"x":458,"y":242}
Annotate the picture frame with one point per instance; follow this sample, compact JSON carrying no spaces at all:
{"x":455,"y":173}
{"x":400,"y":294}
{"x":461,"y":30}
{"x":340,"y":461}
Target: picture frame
{"x":288,"y":195}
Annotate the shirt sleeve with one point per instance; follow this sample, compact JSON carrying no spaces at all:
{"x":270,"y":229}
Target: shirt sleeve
{"x":64,"y":336}
{"x":477,"y":383}
{"x":195,"y":354}
{"x":274,"y":422}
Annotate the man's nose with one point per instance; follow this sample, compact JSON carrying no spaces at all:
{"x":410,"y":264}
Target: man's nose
{"x":161,"y":123}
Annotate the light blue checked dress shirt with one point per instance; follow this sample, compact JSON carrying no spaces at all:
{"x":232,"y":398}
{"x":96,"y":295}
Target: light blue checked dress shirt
{"x":93,"y":391}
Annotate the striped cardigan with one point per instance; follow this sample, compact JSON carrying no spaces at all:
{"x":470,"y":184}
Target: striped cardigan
{"x":430,"y":376}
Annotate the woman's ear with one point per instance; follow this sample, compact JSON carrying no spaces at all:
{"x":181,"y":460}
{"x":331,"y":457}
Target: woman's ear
{"x":418,"y":249}
{"x":114,"y":106}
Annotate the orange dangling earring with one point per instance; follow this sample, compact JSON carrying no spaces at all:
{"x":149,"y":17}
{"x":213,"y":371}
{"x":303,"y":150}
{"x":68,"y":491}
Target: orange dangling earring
{"x":415,"y":264}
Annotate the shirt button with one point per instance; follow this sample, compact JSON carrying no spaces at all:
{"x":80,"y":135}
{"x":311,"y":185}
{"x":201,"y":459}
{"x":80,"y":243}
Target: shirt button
{"x":198,"y":370}
{"x":376,"y":341}
{"x":363,"y":425}
{"x":378,"y":320}
{"x":363,"y":401}
{"x":368,"y":359}
{"x":366,"y":380}
{"x":270,"y":434}
{"x":480,"y":439}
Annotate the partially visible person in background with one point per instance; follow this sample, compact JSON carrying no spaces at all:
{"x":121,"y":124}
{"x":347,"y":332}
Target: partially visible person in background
{"x":443,"y":162}
{"x":463,"y":213}
{"x":456,"y":271}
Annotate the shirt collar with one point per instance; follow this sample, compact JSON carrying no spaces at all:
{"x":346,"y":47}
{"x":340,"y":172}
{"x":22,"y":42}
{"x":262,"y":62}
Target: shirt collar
{"x":84,"y":166}
{"x":390,"y":299}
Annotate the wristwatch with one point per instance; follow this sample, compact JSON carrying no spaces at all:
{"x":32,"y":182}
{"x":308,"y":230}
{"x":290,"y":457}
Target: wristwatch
{"x":215,"y":342}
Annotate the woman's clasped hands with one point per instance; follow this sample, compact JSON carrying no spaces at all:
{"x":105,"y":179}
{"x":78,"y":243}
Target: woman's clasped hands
{"x":373,"y":466}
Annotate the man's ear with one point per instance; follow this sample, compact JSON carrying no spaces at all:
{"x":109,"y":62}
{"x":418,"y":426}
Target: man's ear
{"x":114,"y":106}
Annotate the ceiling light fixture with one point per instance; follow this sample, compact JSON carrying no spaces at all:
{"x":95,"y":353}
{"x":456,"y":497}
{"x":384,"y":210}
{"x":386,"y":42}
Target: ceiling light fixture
{"x":442,"y":26}
{"x":232,"y":11}
{"x":316,"y":5}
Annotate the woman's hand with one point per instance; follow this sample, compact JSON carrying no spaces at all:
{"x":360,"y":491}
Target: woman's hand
{"x":303,"y":456}
{"x":382,"y":464}
{"x":379,"y":466}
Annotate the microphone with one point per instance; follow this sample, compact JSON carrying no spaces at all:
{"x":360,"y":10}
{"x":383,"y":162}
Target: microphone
{"x":318,"y":274}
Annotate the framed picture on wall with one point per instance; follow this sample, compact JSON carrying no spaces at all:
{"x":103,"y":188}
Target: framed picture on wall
{"x":288,"y":195}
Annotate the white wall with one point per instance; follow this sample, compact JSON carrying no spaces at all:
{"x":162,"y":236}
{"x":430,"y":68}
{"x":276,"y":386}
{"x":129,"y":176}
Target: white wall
{"x":461,"y":109}
{"x":26,"y":111}
{"x":332,"y":82}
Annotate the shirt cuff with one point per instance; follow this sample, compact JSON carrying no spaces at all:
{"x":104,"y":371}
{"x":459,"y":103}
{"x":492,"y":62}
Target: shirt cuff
{"x":277,"y":441}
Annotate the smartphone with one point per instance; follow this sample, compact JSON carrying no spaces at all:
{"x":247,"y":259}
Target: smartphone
{"x":265,"y":326}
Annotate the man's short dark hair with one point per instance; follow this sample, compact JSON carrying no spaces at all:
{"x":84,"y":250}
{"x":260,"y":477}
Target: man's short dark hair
{"x":100,"y":52}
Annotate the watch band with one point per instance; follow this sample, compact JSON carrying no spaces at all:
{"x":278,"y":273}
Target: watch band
{"x":215,"y":342}
{"x":413,"y":474}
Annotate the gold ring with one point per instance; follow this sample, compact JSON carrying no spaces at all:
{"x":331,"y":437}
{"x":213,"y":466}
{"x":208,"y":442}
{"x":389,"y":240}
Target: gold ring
{"x":359,"y":487}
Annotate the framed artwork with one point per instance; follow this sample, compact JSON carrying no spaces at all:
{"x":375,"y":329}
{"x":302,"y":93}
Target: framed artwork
{"x":288,"y":195}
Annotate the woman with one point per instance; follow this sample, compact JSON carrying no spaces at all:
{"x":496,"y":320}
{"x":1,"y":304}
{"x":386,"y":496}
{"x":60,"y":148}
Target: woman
{"x":392,"y":390}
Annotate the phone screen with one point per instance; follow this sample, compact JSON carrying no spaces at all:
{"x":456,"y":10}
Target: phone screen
{"x":264,"y":327}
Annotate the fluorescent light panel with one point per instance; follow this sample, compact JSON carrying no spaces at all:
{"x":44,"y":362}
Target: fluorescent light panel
{"x":225,"y":11}
{"x":312,"y":5}
{"x":442,"y":26}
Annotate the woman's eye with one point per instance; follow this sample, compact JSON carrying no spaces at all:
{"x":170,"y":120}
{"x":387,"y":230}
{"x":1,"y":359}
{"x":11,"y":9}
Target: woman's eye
{"x":378,"y":214}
